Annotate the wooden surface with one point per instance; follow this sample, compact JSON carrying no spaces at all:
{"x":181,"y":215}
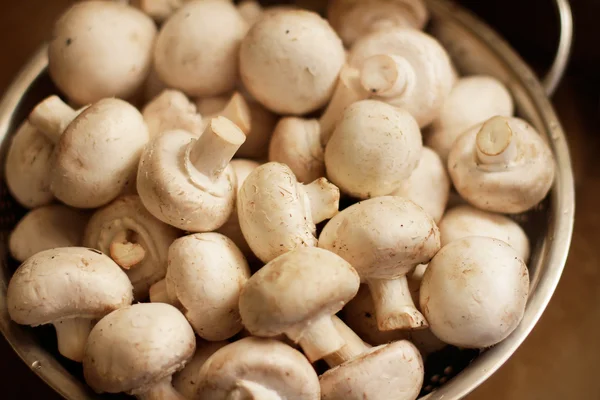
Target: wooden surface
{"x":556,"y":362}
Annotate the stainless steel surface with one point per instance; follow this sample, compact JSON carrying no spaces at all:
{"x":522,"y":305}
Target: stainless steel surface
{"x":565,"y":43}
{"x":475,"y":48}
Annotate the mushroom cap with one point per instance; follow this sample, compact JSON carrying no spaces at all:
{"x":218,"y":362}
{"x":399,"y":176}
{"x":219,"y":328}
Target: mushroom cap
{"x":272,"y":190}
{"x":465,"y":220}
{"x":197,"y":49}
{"x":64,"y":283}
{"x":134,"y":347}
{"x":171,"y":109}
{"x":382,"y":238}
{"x":432,"y":71}
{"x":129,"y":214}
{"x":97,"y":154}
{"x":159,"y":10}
{"x":295,"y":287}
{"x":206,"y":274}
{"x":474,"y":292}
{"x":296,"y":142}
{"x":100,"y":49}
{"x":46,"y":228}
{"x":180,"y":196}
{"x":516,"y":187}
{"x":290,"y":61}
{"x":473,"y":100}
{"x":392,"y":372}
{"x":353,"y":19}
{"x":28,"y":167}
{"x":373,"y":149}
{"x":428,"y":185}
{"x":266,"y":362}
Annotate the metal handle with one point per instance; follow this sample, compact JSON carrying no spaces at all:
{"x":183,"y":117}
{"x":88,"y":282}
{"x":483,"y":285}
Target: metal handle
{"x":555,"y":75}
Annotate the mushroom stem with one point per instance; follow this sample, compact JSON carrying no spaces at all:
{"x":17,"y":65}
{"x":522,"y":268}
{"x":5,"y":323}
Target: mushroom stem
{"x":211,"y":152}
{"x":324,"y":199}
{"x":318,"y":339}
{"x":162,"y":390}
{"x":353,"y":348}
{"x":51,"y":117}
{"x":386,"y":75}
{"x":238,"y":112}
{"x":394,"y":307}
{"x":495,"y":143}
{"x":72,"y":335}
{"x":248,"y":390}
{"x":124,"y":252}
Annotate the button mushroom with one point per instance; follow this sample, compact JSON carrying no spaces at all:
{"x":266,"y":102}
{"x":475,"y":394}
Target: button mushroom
{"x":136,"y":350}
{"x":250,"y":10}
{"x":100,"y":49}
{"x":46,"y":228}
{"x":187,"y":381}
{"x":504,"y":166}
{"x":463,"y":221}
{"x":290,"y":61}
{"x":159,"y":10}
{"x":384,"y":239}
{"x":256,"y":368}
{"x":406,"y":68}
{"x":472,"y":101}
{"x":96,"y":151}
{"x":474,"y":292}
{"x":296,"y":294}
{"x":293,"y":210}
{"x":193,"y":52}
{"x":235,"y":108}
{"x":353,"y":344}
{"x":373,"y":149}
{"x":67,"y":287}
{"x":185,"y":181}
{"x":134,"y":239}
{"x":170,"y":110}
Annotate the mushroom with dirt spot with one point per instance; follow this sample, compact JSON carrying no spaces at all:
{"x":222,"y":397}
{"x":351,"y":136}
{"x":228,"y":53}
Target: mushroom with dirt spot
{"x":171,"y":110}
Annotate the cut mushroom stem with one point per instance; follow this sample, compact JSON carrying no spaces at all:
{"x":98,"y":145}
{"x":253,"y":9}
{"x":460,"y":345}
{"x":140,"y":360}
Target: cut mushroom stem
{"x":162,"y":390}
{"x":353,"y":348}
{"x":125,"y":251}
{"x":394,"y":306}
{"x":71,"y":335}
{"x":496,"y":144}
{"x":248,"y":390}
{"x":386,"y":75}
{"x":237,"y":111}
{"x":318,"y":339}
{"x":324,"y":199}
{"x":51,"y":117}
{"x":212,"y":151}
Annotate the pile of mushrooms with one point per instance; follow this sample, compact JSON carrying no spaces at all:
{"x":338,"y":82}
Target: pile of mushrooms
{"x":215,"y":203}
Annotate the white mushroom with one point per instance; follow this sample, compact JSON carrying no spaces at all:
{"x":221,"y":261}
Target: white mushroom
{"x":472,"y":101}
{"x":197,"y":49}
{"x":187,"y":381}
{"x":185,"y":181}
{"x":251,"y":11}
{"x":136,"y":350}
{"x":159,"y":10}
{"x":68,"y":287}
{"x":256,"y":368}
{"x":290,"y":61}
{"x":296,"y":294}
{"x":503,"y":166}
{"x":463,"y":221}
{"x":235,"y":108}
{"x":293,"y":210}
{"x":384,"y":239}
{"x":171,"y":110}
{"x":46,"y":228}
{"x":205,"y":276}
{"x":474,"y":292}
{"x":96,"y":151}
{"x":374,"y":148}
{"x":353,"y":344}
{"x":100,"y":49}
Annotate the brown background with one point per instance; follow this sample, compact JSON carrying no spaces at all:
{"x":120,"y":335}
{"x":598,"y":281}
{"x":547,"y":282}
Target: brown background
{"x":559,"y":359}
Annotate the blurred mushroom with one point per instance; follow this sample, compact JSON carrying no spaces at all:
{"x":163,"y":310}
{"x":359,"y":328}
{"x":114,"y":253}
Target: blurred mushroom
{"x":172,"y":110}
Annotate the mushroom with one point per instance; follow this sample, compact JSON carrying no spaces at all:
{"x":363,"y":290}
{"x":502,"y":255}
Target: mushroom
{"x":406,"y":68}
{"x":503,"y":166}
{"x":472,"y":101}
{"x":374,"y":148}
{"x":159,"y":10}
{"x":474,"y":292}
{"x":384,"y":239}
{"x":251,"y":11}
{"x":185,"y":181}
{"x":172,"y":110}
{"x":205,"y":276}
{"x":235,"y":108}
{"x":46,"y":228}
{"x":67,"y":287}
{"x":97,"y":150}
{"x":353,"y":19}
{"x":353,"y":346}
{"x":197,"y":48}
{"x":134,"y":239}
{"x":153,"y":86}
{"x":136,"y":350}
{"x":428,"y":185}
{"x":293,"y":210}
{"x":463,"y":221}
{"x":296,"y":294}
{"x":101,"y":49}
{"x":187,"y":381}
{"x":257,"y":368}
{"x":290,"y":61}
